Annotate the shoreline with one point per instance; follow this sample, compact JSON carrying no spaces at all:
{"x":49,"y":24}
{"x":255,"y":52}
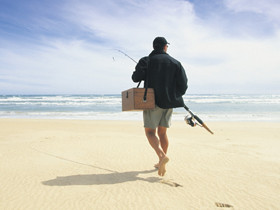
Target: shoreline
{"x":209,"y":107}
{"x":140,"y":119}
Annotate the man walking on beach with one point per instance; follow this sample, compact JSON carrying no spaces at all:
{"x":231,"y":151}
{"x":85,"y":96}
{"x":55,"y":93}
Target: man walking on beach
{"x":167,"y":77}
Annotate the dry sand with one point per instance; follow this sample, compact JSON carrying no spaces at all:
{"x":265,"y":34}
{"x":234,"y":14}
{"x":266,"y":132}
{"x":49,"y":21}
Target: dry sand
{"x":74,"y":164}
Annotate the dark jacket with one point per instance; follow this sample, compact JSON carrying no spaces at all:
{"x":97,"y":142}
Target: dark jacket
{"x":166,"y":76}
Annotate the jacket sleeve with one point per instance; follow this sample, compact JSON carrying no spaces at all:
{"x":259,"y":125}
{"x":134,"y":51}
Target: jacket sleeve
{"x":140,"y":70}
{"x":182,"y":80}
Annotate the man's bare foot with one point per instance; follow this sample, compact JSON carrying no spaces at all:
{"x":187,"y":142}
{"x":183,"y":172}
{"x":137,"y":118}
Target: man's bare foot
{"x":156,"y":165}
{"x":161,"y":168}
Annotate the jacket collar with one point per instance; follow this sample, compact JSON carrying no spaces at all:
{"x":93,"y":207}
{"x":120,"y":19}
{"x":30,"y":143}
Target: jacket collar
{"x":157,"y":52}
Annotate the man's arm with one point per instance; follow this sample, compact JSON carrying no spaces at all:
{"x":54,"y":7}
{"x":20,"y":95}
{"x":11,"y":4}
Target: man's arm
{"x":140,"y":70}
{"x":182,"y":80}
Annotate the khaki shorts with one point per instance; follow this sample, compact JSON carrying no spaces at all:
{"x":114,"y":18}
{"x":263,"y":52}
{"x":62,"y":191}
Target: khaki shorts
{"x":157,"y":117}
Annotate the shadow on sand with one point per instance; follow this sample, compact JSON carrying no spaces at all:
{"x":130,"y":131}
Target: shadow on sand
{"x":113,"y":177}
{"x":101,"y":179}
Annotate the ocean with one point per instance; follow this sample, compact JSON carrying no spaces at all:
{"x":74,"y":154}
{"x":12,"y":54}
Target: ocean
{"x":108,"y":107}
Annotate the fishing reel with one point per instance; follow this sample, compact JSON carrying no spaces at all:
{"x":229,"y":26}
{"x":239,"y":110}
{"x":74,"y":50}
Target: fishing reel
{"x":194,"y":120}
{"x":190,"y":120}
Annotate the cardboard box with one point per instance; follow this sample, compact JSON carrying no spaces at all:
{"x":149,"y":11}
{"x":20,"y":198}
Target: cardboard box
{"x":132,"y":99}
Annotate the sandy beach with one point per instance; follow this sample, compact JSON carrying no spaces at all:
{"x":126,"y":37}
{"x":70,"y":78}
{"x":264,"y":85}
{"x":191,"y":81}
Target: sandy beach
{"x":80,"y":164}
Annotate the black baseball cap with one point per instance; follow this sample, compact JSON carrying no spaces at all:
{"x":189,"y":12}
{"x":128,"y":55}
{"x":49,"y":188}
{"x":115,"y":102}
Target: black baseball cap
{"x":159,"y":42}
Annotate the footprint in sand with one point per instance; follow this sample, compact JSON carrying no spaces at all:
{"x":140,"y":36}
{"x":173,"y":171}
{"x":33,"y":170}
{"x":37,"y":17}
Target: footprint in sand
{"x":223,"y":205}
{"x":170,"y":183}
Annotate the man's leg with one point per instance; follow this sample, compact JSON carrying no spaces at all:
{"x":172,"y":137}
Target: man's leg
{"x":154,"y":142}
{"x":163,"y":138}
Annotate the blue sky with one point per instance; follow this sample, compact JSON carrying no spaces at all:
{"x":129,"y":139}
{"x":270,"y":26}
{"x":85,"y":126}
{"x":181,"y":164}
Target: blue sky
{"x":69,"y":47}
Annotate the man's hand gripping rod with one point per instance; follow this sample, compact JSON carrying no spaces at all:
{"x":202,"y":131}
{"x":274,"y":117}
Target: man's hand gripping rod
{"x":194,"y":117}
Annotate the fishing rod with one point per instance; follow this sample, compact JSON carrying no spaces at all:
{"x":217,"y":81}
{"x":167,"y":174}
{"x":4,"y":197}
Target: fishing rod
{"x":192,"y":120}
{"x":126,"y":55}
{"x":189,"y":120}
{"x":130,"y":59}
